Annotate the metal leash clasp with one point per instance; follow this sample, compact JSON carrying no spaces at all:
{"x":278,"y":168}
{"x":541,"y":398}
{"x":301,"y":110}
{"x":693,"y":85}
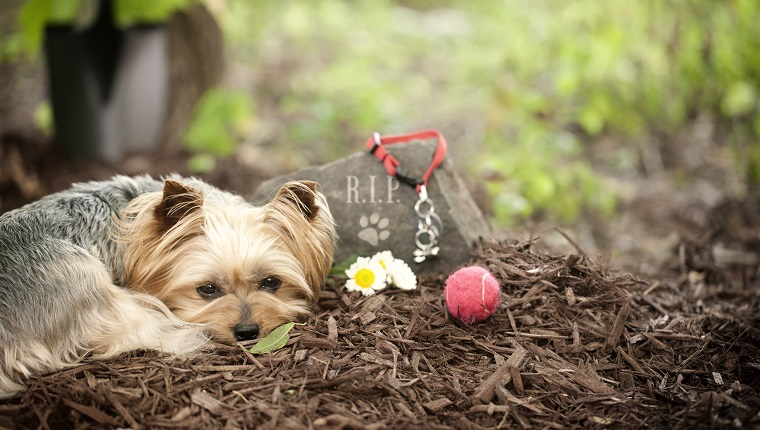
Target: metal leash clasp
{"x":429,"y":228}
{"x":429,"y":224}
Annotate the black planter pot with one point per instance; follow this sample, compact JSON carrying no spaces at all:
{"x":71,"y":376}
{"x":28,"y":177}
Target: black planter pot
{"x":108,"y":87}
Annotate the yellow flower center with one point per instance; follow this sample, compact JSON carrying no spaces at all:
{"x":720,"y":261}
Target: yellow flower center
{"x":364,"y":278}
{"x":382,"y":263}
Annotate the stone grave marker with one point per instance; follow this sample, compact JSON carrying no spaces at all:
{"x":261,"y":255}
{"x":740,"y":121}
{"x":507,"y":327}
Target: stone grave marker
{"x":375,"y":212}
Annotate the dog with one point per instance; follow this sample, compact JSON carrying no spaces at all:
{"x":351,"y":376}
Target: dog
{"x":137,"y":263}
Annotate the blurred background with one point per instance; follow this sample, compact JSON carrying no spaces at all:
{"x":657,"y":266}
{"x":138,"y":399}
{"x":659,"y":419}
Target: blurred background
{"x":628,"y":124}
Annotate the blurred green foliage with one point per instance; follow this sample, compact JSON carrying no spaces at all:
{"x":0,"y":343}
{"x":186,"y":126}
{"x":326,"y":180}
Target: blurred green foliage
{"x":136,"y":12}
{"x":36,"y":14}
{"x":526,"y":85}
{"x":522,"y":90}
{"x":43,"y":118}
{"x":221,"y":117}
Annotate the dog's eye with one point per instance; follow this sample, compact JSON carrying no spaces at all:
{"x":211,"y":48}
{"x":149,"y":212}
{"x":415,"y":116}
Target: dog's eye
{"x":209,"y":291}
{"x":270,"y":284}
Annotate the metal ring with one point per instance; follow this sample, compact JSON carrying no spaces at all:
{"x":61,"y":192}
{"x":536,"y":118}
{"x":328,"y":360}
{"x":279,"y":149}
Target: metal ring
{"x":427,"y":224}
{"x":418,"y":206}
{"x":437,"y":223}
{"x":431,"y":237}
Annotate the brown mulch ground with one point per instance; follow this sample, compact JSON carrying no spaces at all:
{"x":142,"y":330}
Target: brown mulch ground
{"x":573,"y":345}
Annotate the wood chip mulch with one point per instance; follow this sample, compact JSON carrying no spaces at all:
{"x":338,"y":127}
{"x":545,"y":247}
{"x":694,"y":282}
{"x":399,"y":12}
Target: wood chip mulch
{"x":573,"y":345}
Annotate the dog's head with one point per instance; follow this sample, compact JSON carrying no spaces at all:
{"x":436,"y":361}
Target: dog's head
{"x":215,"y":259}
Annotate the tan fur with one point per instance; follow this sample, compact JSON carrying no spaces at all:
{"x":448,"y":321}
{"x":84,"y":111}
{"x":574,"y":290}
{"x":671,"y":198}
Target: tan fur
{"x":234,"y":245}
{"x":114,"y":322}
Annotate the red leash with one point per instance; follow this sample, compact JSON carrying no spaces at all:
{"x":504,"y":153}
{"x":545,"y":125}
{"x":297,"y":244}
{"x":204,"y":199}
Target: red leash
{"x":429,"y":224}
{"x":375,"y":146}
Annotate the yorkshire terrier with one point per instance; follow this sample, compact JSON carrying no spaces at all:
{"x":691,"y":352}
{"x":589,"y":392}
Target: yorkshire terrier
{"x":137,"y":263}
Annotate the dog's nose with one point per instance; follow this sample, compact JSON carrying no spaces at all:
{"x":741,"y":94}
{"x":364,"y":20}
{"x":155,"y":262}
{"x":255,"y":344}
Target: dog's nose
{"x":246,"y":331}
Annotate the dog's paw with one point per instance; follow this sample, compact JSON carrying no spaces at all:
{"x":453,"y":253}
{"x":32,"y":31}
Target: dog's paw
{"x":374,"y":228}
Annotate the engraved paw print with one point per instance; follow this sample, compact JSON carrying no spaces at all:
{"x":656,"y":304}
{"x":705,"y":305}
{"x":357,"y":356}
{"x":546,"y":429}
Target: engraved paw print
{"x":371,"y":226}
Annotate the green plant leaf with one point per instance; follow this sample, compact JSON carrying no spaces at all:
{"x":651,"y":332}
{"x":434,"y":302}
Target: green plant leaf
{"x":274,"y":340}
{"x":740,"y":98}
{"x":220,"y":118}
{"x":131,"y":12}
{"x":339,"y":269}
{"x":35,"y":14}
{"x":43,"y":118}
{"x":201,"y":163}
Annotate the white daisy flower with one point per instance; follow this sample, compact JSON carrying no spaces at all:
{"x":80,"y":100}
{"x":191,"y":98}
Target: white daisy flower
{"x":366,"y":276}
{"x":385,"y":258}
{"x":402,"y":276}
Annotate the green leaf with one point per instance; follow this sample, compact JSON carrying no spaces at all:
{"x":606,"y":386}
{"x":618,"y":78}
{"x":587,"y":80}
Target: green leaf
{"x":201,"y":163}
{"x":132,"y":12}
{"x":274,"y":340}
{"x":591,"y":120}
{"x":36,"y":14}
{"x":740,"y":98}
{"x":43,"y":118}
{"x":63,"y":11}
{"x":339,"y":269}
{"x":221,"y":117}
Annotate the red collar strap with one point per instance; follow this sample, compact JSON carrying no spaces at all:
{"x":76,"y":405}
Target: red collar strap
{"x":375,"y":146}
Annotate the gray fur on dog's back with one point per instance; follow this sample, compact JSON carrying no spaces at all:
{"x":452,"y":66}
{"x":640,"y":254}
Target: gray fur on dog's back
{"x":45,"y":245}
{"x":82,"y":215}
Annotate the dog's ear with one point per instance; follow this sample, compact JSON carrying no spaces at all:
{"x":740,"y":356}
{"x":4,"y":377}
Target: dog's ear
{"x":178,"y":201}
{"x":301,"y":195}
{"x":302,"y":219}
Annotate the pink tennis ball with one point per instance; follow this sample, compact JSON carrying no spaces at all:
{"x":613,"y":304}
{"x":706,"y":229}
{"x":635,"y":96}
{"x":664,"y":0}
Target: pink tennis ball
{"x":472,"y":294}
